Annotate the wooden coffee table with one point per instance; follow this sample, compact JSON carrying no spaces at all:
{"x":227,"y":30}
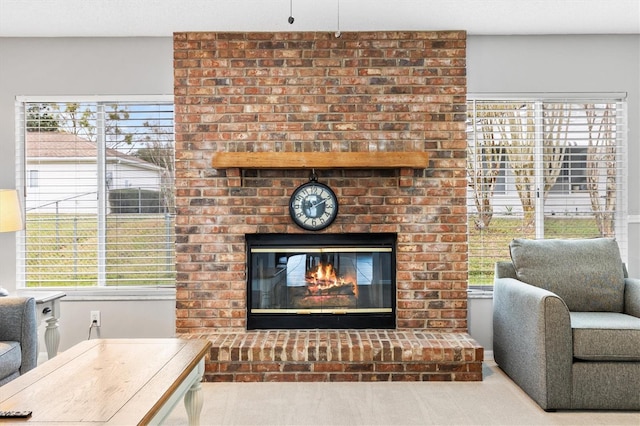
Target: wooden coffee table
{"x":112,"y":381}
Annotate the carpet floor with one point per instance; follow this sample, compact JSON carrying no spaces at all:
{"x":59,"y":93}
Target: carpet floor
{"x":494,"y":401}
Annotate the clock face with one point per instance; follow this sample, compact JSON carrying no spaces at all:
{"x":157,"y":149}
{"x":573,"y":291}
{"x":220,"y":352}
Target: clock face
{"x":313,"y":206}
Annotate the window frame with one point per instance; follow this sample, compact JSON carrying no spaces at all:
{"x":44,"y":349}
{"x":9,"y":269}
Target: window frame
{"x":94,"y":292}
{"x":622,"y":218}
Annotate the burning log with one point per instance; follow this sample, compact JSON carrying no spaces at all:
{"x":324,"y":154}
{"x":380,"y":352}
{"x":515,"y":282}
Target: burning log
{"x":326,"y":287}
{"x":323,"y":280}
{"x":338,"y":301}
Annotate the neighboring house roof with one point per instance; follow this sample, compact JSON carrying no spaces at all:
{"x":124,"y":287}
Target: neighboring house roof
{"x":61,"y":145}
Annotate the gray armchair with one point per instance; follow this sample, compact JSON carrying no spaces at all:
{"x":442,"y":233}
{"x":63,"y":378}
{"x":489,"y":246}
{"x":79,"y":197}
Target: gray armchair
{"x":18,"y":337}
{"x":566,"y":324}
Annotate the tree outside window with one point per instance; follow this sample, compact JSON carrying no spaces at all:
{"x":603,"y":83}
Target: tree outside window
{"x":542,"y":169}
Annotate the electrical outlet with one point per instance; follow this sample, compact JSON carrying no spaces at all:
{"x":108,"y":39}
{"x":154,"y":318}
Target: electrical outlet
{"x":95,"y":318}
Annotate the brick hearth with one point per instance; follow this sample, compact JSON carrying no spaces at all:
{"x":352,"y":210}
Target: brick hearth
{"x":312,"y":92}
{"x":342,"y":355}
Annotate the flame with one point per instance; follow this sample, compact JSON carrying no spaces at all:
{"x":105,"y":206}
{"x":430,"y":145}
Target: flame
{"x":324,"y":277}
{"x":326,"y":272}
{"x":323,"y":273}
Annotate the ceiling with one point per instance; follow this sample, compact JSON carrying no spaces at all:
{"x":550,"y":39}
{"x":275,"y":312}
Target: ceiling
{"x":158,"y":18}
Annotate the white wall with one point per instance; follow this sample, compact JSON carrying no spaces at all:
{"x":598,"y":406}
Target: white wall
{"x":110,"y":66}
{"x":141,"y":318}
{"x":480,"y":321}
{"x":83,"y":66}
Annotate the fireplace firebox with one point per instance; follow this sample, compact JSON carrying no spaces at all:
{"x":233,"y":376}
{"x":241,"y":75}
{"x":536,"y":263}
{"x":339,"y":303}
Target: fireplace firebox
{"x":303,"y":281}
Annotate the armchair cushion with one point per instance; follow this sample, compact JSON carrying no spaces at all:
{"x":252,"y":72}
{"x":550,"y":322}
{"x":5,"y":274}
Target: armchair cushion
{"x":18,"y":337}
{"x":10,"y":360}
{"x":605,"y":336}
{"x":588,"y":275}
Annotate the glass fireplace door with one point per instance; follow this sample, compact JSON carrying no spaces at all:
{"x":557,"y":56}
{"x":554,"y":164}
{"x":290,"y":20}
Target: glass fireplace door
{"x":321,"y":283}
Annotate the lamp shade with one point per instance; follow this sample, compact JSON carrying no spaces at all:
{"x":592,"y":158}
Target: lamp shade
{"x":10,"y":213}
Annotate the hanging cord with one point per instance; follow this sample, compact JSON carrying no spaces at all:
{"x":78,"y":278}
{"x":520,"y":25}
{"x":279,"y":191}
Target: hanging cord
{"x":91,"y":327}
{"x":291,"y":19}
{"x":338,"y":33}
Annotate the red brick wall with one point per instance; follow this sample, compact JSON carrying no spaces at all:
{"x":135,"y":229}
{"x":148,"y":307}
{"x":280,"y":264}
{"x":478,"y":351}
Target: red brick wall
{"x":377,"y":91}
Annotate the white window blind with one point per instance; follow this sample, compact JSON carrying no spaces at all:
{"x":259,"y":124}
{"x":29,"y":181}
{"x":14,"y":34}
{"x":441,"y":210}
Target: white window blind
{"x":98,"y":185}
{"x":540,"y":168}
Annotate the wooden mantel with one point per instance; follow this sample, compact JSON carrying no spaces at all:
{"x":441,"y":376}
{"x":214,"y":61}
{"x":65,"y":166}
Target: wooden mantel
{"x":320,"y":160}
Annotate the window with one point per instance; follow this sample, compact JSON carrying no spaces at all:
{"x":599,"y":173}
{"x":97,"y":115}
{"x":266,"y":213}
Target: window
{"x":543,"y":168}
{"x":98,"y":182}
{"x":573,"y":174}
{"x":32,"y":179}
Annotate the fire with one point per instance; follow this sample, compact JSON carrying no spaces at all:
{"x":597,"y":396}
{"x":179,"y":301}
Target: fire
{"x":323,"y":279}
{"x":325,"y":272}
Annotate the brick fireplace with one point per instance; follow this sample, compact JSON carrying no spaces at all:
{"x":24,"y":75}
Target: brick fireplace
{"x":368,"y":97}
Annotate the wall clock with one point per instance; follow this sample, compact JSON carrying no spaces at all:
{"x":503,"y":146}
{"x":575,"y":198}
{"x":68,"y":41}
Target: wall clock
{"x":313,"y":205}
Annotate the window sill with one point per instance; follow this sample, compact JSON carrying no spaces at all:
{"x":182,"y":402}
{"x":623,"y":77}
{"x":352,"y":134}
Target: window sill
{"x":111,"y":293}
{"x":474,"y":293}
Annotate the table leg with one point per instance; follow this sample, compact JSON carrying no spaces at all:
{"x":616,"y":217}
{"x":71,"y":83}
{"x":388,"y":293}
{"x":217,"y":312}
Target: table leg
{"x":52,"y":337}
{"x":193,"y":403}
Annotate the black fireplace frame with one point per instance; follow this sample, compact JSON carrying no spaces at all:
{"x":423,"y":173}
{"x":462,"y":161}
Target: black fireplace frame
{"x":381,"y":320}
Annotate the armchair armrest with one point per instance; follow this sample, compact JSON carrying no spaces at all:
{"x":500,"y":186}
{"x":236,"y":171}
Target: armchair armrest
{"x":532,"y":341}
{"x":19,"y":324}
{"x":632,"y":296}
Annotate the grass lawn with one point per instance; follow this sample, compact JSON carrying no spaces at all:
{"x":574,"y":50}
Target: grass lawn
{"x":140,"y":248}
{"x":63,"y":250}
